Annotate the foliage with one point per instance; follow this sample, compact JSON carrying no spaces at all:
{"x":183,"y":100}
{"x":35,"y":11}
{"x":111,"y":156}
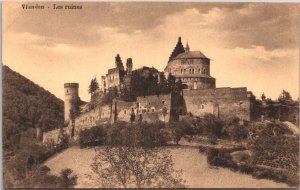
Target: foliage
{"x":235,"y":130}
{"x":136,"y":167}
{"x":39,"y":177}
{"x":94,"y":85}
{"x":273,"y":147}
{"x":26,"y":105}
{"x":67,"y":179}
{"x":91,"y":137}
{"x":285,"y":97}
{"x":219,"y":157}
{"x":124,"y":134}
{"x":27,"y":160}
{"x":178,"y":130}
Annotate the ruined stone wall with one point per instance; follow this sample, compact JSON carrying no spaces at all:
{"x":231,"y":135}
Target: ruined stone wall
{"x":154,"y":108}
{"x":122,"y":110}
{"x":149,"y":108}
{"x":96,"y":116}
{"x":224,"y":103}
{"x":52,"y":136}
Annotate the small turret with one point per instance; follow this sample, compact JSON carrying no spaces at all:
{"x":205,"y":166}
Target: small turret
{"x":119,"y":63}
{"x":129,"y":65}
{"x":187,"y":48}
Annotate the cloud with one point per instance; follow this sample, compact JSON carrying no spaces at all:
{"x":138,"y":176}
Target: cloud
{"x":253,"y":45}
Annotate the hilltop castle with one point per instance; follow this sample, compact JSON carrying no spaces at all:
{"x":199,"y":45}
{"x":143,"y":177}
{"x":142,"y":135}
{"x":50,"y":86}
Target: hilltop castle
{"x":152,"y":96}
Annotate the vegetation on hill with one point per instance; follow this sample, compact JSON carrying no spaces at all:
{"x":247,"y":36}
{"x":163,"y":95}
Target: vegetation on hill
{"x":27,"y":105}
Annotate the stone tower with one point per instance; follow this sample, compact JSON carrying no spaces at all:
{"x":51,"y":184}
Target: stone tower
{"x":71,"y":97}
{"x":129,"y":65}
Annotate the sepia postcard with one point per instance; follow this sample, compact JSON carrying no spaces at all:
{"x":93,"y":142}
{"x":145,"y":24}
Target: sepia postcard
{"x":150,"y":94}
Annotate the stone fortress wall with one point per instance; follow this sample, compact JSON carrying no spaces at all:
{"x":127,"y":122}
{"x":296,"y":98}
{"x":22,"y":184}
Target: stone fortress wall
{"x":224,"y":103}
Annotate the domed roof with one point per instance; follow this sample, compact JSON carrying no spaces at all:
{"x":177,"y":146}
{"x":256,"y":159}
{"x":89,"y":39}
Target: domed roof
{"x":191,"y":55}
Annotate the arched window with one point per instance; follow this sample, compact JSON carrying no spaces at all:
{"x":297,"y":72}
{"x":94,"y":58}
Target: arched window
{"x":184,"y":71}
{"x":202,"y":106}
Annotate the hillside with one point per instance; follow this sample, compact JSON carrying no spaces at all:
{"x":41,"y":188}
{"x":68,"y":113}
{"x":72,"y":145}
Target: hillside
{"x":26,"y":105}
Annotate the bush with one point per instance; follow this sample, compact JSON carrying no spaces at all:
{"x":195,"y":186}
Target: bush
{"x":67,"y":179}
{"x":92,"y":137}
{"x":219,"y":157}
{"x":235,"y":131}
{"x":124,"y":134}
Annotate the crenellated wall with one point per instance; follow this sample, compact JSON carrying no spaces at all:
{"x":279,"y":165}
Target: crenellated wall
{"x":224,"y":103}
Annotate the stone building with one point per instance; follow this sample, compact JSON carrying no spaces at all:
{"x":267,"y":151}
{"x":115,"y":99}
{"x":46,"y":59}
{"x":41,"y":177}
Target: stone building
{"x":114,"y":76}
{"x":192,"y":67}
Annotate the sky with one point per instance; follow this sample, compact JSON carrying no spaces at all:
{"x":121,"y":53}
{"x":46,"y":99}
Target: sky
{"x":253,"y":45}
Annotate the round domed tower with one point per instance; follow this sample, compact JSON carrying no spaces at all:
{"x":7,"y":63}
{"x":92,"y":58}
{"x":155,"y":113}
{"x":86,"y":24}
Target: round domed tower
{"x":71,"y":97}
{"x":192,"y":67}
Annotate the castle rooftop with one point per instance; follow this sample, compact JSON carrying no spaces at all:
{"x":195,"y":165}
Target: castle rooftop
{"x":191,"y":55}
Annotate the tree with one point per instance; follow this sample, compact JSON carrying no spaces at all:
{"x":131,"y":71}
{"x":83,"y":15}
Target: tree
{"x":263,"y":97}
{"x":136,"y":167}
{"x":93,"y":86}
{"x":285,"y":97}
{"x":171,"y":82}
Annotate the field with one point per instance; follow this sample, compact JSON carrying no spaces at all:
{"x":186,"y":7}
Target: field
{"x":196,"y":171}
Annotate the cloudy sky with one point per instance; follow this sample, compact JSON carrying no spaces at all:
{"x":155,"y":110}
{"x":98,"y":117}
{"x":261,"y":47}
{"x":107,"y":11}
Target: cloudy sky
{"x":252,"y":45}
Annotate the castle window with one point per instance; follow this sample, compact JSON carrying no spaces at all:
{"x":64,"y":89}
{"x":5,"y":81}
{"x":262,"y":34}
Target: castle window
{"x":124,"y":111}
{"x":163,"y":102}
{"x":67,"y":91}
{"x":199,"y":70}
{"x":148,"y":110}
{"x":149,"y":103}
{"x":181,"y":71}
{"x":193,"y":71}
{"x":202,"y":106}
{"x":184,"y":70}
{"x":152,"y":109}
{"x":204,"y":71}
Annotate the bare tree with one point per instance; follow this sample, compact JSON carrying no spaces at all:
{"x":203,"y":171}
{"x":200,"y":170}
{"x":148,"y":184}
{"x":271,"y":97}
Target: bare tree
{"x":136,"y":167}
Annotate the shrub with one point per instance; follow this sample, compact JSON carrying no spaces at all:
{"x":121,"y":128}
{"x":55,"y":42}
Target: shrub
{"x":92,"y":136}
{"x":235,"y":131}
{"x":212,"y":125}
{"x":219,"y":157}
{"x":67,"y":179}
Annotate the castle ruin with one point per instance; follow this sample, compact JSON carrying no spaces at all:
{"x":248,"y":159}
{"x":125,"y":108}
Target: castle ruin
{"x":198,"y":95}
